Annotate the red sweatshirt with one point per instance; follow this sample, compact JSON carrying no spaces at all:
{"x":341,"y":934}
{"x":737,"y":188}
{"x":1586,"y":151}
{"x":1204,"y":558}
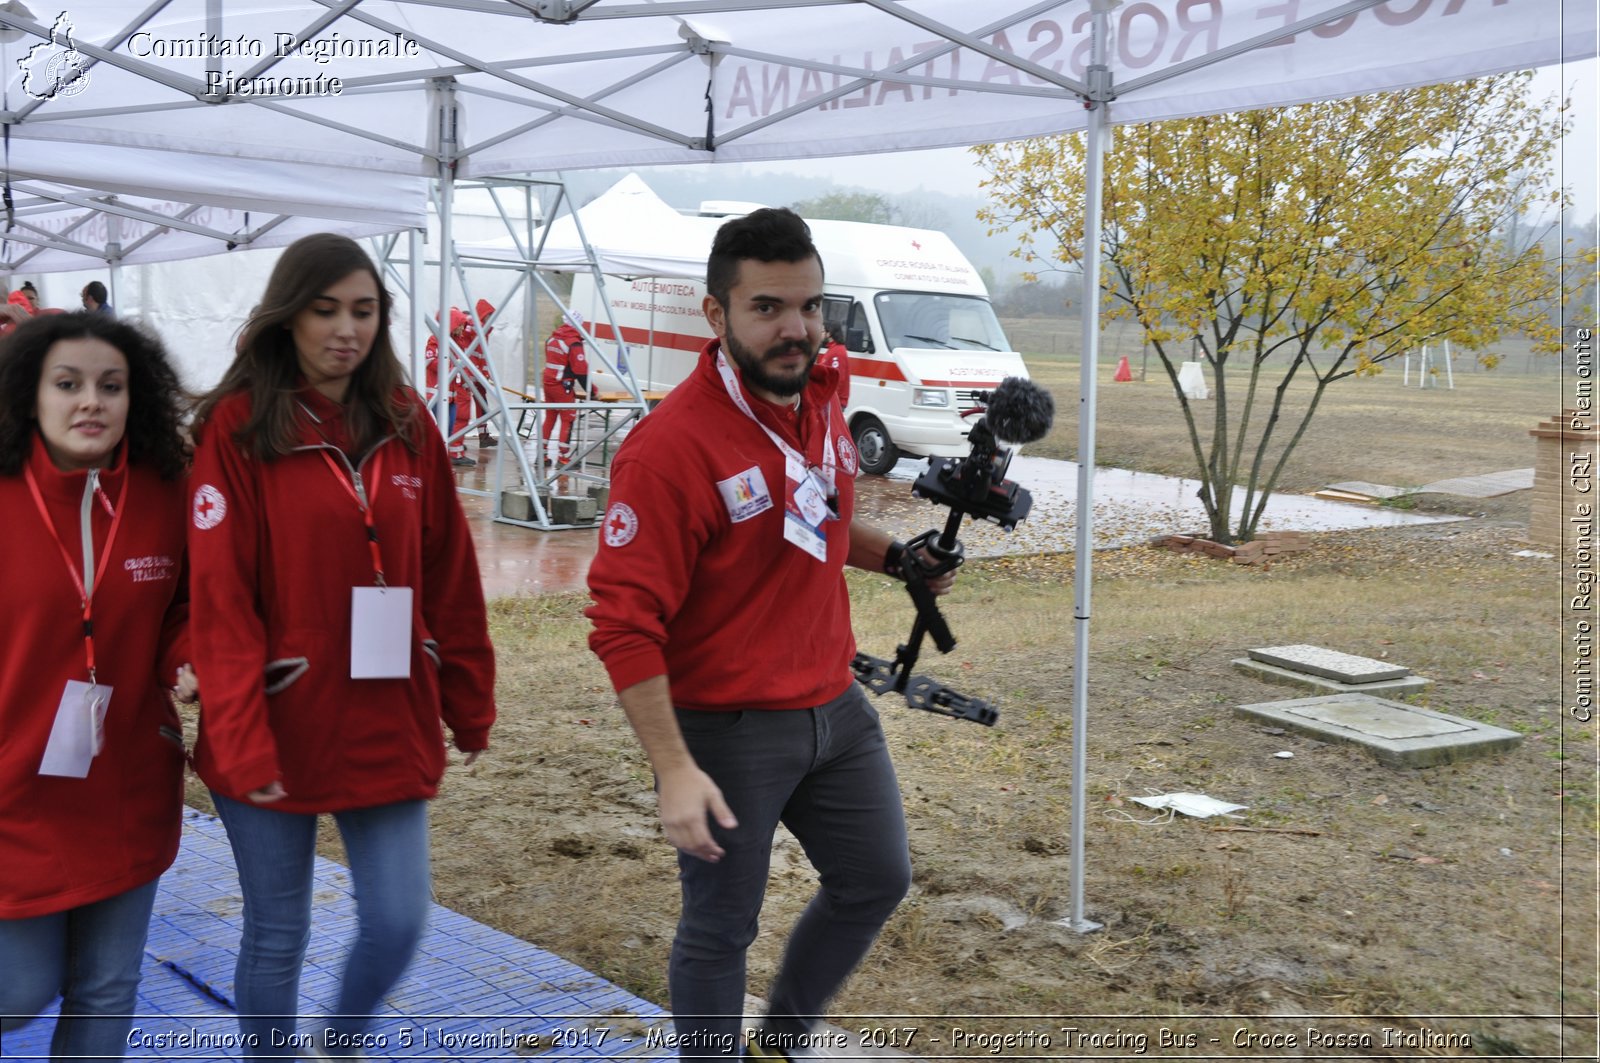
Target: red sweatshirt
{"x":68,"y":842}
{"x":275,"y":548}
{"x":733,"y":614}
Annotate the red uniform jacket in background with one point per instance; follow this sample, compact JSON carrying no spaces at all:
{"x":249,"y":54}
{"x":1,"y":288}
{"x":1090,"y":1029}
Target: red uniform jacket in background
{"x":69,"y":842}
{"x":275,"y":548}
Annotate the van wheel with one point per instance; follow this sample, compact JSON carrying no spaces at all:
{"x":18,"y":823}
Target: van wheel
{"x":875,"y":451}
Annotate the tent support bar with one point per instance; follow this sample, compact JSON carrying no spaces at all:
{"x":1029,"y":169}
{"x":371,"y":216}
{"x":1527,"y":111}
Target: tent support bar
{"x":975,"y":43}
{"x":1254,"y":43}
{"x":1083,"y":567}
{"x":920,"y":58}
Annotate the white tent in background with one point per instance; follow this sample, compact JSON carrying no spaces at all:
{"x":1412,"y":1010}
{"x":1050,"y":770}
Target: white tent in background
{"x":451,"y":88}
{"x":629,"y":230}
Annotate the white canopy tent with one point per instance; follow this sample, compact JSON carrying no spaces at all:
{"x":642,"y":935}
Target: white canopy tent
{"x":81,"y":205}
{"x":628,"y":231}
{"x":452,"y":88}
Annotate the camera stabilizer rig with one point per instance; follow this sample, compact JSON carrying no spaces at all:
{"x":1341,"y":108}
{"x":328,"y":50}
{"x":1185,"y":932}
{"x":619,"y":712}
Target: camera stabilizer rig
{"x":1018,"y":411}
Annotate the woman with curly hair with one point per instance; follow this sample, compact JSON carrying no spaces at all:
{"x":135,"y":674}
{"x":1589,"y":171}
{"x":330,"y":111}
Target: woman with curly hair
{"x":91,"y":585}
{"x":340,"y":628}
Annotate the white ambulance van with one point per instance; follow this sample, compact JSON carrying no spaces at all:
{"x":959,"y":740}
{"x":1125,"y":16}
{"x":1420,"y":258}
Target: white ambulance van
{"x":911,"y":309}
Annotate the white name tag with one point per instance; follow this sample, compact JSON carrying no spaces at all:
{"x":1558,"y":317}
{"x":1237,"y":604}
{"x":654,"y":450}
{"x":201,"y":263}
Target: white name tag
{"x":380,"y":633}
{"x":76,"y":736}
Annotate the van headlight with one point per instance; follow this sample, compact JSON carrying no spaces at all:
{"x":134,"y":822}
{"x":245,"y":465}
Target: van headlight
{"x":930,"y":397}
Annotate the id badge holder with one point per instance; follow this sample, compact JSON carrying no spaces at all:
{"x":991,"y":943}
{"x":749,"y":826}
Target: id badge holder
{"x":78,"y":733}
{"x":380,"y":632}
{"x":805,"y":508}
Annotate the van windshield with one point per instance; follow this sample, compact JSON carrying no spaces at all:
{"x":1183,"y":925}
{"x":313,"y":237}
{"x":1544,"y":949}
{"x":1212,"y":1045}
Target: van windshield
{"x":943,"y":322}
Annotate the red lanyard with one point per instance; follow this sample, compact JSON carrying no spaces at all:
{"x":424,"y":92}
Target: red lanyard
{"x":365,"y":505}
{"x":84,"y":595}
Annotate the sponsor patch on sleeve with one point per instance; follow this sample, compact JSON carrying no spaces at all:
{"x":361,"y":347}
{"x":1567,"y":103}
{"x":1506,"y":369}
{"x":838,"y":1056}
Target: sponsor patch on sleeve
{"x":745,"y":494}
{"x":209,"y":507}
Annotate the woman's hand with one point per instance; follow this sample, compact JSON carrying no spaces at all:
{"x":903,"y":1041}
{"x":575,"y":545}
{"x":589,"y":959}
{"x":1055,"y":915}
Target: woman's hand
{"x":186,"y":691}
{"x":269,"y":793}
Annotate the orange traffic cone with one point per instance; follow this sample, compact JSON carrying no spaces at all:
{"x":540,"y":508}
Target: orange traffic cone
{"x":1123,"y":373}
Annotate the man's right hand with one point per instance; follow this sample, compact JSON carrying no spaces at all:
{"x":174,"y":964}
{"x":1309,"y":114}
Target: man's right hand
{"x":688,"y":800}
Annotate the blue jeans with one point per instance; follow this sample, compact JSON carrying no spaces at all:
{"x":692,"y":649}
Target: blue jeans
{"x":90,"y":956}
{"x":388,"y":851}
{"x":825,"y":774}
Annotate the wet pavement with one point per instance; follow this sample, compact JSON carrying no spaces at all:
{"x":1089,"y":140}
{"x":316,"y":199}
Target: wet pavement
{"x":1129,"y":508}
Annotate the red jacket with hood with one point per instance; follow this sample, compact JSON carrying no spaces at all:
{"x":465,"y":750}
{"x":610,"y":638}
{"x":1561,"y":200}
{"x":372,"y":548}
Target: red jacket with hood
{"x":694,"y":579}
{"x":275,"y":548}
{"x":68,"y":842}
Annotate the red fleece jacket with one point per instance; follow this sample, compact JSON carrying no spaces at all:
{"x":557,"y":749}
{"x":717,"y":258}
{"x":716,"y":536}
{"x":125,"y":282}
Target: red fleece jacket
{"x":733,"y":614}
{"x":68,"y":842}
{"x":275,"y":548}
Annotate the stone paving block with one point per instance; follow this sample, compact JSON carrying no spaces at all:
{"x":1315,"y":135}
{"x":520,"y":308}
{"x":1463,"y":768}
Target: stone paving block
{"x":1397,"y":734}
{"x":1330,"y":664}
{"x":572,"y":509}
{"x":1271,"y":673}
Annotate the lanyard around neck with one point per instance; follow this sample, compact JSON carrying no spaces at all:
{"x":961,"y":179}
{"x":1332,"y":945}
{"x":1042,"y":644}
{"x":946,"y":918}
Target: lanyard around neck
{"x":829,"y":466}
{"x":364,"y":502}
{"x":85,"y":594}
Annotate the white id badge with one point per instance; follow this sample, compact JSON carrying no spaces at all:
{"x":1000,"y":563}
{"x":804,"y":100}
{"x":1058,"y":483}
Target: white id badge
{"x":804,"y":536}
{"x":380,"y":633}
{"x":813,"y":504}
{"x":76,"y":736}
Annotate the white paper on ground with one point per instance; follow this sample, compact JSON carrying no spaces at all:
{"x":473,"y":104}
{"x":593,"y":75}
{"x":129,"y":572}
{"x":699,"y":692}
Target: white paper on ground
{"x":1197,"y":805}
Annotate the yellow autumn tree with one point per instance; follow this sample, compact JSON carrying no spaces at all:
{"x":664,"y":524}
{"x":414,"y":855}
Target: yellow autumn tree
{"x":1295,"y":247}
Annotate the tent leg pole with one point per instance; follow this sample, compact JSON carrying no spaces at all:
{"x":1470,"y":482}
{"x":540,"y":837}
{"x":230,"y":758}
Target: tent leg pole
{"x":419,"y":315}
{"x":1084,"y":551}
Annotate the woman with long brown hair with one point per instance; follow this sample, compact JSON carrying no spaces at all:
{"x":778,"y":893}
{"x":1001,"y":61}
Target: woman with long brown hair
{"x":339,"y":622}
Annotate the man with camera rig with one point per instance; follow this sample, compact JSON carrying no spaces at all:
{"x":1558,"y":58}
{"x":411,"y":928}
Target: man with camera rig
{"x":721,"y":613}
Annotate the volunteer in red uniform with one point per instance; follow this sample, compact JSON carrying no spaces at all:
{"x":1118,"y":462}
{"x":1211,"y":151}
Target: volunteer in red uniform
{"x":340,"y":617}
{"x":478,"y":352}
{"x":460,"y":400}
{"x":836,"y":357}
{"x":721,"y":613}
{"x":91,"y":750}
{"x":565,"y":379}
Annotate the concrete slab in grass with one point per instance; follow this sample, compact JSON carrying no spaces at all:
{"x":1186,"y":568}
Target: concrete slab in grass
{"x":1407,"y":684}
{"x":1395,"y":733}
{"x":1330,"y":664}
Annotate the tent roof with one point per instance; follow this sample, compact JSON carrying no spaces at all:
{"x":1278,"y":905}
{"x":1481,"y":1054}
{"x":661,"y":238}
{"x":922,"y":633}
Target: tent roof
{"x":557,"y":84}
{"x":80,"y":205}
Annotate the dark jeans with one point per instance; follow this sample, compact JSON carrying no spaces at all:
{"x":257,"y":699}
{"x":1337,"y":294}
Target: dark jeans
{"x":825,"y":774}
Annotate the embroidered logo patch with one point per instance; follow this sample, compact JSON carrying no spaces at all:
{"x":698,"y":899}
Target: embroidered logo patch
{"x":847,"y":455}
{"x":151,"y":569}
{"x":621,"y":524}
{"x":209,"y":507}
{"x":745,"y":494}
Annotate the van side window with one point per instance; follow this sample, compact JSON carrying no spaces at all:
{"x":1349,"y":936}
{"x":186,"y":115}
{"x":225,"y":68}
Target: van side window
{"x":847,"y":319}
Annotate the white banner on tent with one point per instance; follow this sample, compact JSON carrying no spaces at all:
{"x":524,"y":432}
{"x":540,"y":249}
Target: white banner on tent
{"x":620,"y":84}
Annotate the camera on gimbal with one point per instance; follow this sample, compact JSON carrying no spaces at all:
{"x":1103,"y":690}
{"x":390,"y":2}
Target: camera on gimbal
{"x":1016,"y":412}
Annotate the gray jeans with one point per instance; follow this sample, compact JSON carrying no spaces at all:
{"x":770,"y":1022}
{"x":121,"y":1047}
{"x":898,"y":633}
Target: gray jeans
{"x":825,"y":774}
